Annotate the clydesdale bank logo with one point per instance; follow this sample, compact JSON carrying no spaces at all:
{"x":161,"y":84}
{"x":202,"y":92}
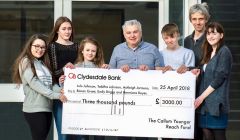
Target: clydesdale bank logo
{"x":91,"y":77}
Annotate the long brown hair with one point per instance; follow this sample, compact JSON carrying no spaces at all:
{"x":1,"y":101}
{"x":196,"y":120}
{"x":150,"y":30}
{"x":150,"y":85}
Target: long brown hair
{"x":206,"y":47}
{"x":26,"y":53}
{"x":54,"y":35}
{"x":99,"y":58}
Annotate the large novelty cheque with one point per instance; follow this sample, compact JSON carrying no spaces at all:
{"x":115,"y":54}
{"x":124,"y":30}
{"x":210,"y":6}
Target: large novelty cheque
{"x":136,"y":103}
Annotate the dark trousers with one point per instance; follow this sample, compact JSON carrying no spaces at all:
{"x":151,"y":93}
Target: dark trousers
{"x":95,"y":137}
{"x":99,"y":137}
{"x":130,"y":138}
{"x":39,"y":124}
{"x":198,"y":134}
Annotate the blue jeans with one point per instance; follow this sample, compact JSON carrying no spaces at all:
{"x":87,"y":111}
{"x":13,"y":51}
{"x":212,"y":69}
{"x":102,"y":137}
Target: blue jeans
{"x":57,"y":113}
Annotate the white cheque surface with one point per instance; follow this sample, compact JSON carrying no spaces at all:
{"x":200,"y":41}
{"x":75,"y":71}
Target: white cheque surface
{"x":137,"y":103}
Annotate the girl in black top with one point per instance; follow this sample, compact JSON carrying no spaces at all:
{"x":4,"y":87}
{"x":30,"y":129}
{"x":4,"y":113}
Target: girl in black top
{"x":62,"y":52}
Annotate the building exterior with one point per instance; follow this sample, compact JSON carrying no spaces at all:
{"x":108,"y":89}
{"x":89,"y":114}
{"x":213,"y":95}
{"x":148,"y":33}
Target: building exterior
{"x":103,"y":19}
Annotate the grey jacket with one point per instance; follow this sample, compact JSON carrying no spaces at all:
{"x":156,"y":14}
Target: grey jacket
{"x":217,"y":75}
{"x":37,"y":95}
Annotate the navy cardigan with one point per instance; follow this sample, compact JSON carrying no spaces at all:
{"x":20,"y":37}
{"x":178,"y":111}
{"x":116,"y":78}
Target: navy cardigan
{"x":217,"y":75}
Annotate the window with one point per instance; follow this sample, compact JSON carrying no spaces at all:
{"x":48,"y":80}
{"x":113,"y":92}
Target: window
{"x":19,"y":20}
{"x":104,"y":20}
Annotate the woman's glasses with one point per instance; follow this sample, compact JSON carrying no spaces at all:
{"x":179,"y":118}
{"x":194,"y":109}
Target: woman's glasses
{"x":38,"y":47}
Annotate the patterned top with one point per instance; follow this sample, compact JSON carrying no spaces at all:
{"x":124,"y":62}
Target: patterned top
{"x":37,"y":89}
{"x":60,"y":55}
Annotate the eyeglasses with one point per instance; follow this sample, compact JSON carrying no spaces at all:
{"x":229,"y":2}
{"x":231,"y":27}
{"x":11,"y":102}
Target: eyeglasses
{"x":38,"y":47}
